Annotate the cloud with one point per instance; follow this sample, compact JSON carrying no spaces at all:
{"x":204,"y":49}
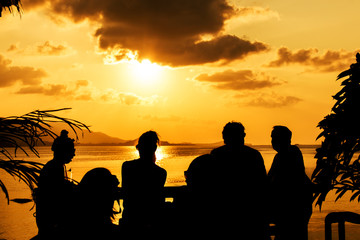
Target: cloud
{"x":253,"y":14}
{"x":133,"y":99}
{"x":81,"y":90}
{"x":328,"y":62}
{"x":257,"y":11}
{"x":274,"y":101}
{"x":48,"y":89}
{"x":267,"y":100}
{"x":13,"y":47}
{"x":238,"y":80}
{"x":115,"y":96}
{"x":76,"y":89}
{"x":155,"y":118}
{"x":10,"y":74}
{"x":47,"y":48}
{"x":167,"y":32}
{"x":82,"y":83}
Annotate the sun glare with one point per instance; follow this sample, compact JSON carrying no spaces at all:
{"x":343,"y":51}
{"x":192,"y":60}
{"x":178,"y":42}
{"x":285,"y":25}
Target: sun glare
{"x":160,"y":155}
{"x":145,"y":71}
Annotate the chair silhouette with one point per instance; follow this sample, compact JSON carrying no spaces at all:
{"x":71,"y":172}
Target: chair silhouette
{"x":340,"y":218}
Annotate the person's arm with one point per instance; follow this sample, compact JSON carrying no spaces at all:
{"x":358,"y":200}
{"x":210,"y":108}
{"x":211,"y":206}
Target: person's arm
{"x":299,"y":166}
{"x":273,"y":168}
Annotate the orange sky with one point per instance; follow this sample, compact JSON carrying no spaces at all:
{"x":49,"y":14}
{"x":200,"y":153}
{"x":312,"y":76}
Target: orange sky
{"x":181,"y":68}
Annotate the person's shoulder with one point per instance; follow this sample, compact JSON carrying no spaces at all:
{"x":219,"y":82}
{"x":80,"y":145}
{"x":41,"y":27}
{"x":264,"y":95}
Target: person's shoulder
{"x":218,"y":150}
{"x":50,"y":165}
{"x":295,"y":148}
{"x":160,"y":169}
{"x":251,"y":150}
{"x":130,"y":164}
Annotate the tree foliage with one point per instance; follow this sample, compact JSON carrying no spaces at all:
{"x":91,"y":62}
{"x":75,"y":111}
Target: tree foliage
{"x":9,"y":5}
{"x":338,"y":162}
{"x":24,"y":133}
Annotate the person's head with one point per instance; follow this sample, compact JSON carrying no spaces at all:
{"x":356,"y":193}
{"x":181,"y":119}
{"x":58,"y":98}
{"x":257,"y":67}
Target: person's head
{"x":147,"y":145}
{"x":97,"y":190}
{"x":63,"y":148}
{"x":233,"y":134}
{"x":280,"y":138}
{"x":200,"y":172}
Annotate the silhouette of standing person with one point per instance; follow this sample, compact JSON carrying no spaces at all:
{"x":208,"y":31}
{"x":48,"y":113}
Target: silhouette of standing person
{"x":143,"y":183}
{"x":290,"y":196}
{"x":241,"y":184}
{"x":93,"y":206}
{"x":55,"y":190}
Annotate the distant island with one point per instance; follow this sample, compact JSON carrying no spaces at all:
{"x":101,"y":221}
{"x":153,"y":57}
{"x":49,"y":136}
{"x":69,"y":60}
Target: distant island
{"x":102,"y":139}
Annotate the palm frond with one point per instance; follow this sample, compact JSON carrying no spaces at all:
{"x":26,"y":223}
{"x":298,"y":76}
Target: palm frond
{"x":9,"y":5}
{"x":25,"y":133}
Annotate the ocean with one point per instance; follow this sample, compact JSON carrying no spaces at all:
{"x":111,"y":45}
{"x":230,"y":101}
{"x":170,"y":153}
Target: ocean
{"x":18,"y":223}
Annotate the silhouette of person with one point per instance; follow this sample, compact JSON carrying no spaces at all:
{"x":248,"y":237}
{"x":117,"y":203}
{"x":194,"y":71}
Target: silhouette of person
{"x":55,"y":190}
{"x":241,"y":183}
{"x":197,"y":208}
{"x":93,"y":207}
{"x":290,"y":196}
{"x":143,"y":183}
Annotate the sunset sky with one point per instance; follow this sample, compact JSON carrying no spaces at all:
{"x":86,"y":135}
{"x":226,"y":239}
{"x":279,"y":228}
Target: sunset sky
{"x":182,"y":68}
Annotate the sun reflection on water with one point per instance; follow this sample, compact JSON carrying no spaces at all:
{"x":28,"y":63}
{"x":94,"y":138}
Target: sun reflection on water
{"x":160,"y":155}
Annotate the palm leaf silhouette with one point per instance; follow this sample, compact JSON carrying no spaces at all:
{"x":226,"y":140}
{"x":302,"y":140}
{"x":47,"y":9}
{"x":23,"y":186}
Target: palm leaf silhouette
{"x":336,"y":167}
{"x":24,"y":133}
{"x":9,"y":5}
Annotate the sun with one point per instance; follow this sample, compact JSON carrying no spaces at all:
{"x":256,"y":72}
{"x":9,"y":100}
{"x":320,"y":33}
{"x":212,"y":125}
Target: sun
{"x":145,"y":71}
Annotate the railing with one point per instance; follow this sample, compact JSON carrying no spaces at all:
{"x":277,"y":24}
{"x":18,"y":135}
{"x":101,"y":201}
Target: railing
{"x":175,"y":191}
{"x":340,"y":218}
{"x":333,"y":217}
{"x":169,"y":192}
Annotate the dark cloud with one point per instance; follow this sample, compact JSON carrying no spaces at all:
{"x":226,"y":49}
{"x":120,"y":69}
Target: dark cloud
{"x":167,"y":32}
{"x":329,"y":61}
{"x":12,"y":74}
{"x":238,"y":80}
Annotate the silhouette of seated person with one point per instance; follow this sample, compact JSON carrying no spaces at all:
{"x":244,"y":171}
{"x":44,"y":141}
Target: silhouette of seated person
{"x":241,"y":182}
{"x":143,"y":183}
{"x":198,"y":207}
{"x":290,"y":188}
{"x":55,"y":191}
{"x":93,"y":210}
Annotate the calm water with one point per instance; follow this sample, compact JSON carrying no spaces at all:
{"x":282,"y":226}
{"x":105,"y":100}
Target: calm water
{"x":17,"y":221}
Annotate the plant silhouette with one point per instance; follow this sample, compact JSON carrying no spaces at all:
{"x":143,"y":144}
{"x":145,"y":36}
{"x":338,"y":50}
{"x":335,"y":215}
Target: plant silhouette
{"x":9,"y":4}
{"x":25,"y":133}
{"x":336,"y":167}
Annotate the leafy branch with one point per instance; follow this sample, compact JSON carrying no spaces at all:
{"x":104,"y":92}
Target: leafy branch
{"x":338,"y":167}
